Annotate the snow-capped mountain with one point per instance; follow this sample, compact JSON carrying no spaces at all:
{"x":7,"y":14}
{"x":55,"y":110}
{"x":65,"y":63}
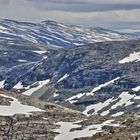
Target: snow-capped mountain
{"x":23,"y":43}
{"x":50,"y":33}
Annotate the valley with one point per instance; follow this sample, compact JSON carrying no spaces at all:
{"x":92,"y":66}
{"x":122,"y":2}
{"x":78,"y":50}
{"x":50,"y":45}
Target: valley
{"x":62,"y":82}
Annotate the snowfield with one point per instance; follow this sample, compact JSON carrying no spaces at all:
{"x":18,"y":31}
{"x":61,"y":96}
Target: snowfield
{"x":124,"y":99}
{"x":16,"y":108}
{"x":33,"y":89}
{"x":75,"y":98}
{"x":66,"y":134}
{"x":2,"y":84}
{"x":135,"y":56}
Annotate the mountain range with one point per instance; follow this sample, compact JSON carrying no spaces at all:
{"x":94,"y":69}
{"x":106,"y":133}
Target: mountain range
{"x":54,"y":34}
{"x":93,"y":70}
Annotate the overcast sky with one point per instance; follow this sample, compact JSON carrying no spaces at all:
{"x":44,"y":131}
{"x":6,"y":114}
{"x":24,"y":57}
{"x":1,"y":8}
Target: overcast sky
{"x":114,"y":14}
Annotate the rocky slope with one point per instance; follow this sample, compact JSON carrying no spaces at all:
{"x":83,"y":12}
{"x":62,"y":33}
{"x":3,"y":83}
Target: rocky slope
{"x":23,"y":42}
{"x":64,"y":65}
{"x":97,"y":78}
{"x":27,"y":118}
{"x":23,"y":117}
{"x":128,"y":129}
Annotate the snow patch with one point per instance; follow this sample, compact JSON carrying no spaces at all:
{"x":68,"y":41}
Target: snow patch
{"x":89,"y":131}
{"x":73,"y":99}
{"x":3,"y":29}
{"x":135,"y":56}
{"x":2,"y":84}
{"x":18,"y":86}
{"x":64,"y":77}
{"x":16,"y":108}
{"x":32,"y":90}
{"x":78,"y":44}
{"x":23,"y":61}
{"x":97,"y":107}
{"x":101,"y":86}
{"x":125,"y":99}
{"x":55,"y":94}
{"x":40,"y":52}
{"x":117,"y":114}
{"x":136,"y":88}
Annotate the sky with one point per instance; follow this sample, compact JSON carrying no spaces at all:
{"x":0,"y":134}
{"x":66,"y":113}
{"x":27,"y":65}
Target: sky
{"x":111,"y":14}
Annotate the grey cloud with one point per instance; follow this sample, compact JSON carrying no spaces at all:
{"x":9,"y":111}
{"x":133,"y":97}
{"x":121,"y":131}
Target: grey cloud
{"x":78,"y":5}
{"x":91,"y":13}
{"x":81,"y":5}
{"x":4,"y":1}
{"x":89,"y":7}
{"x":88,"y":1}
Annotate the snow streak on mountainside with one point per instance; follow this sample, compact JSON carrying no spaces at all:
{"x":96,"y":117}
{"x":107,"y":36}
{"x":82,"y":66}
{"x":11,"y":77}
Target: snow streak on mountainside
{"x":125,"y":99}
{"x":132,"y":57}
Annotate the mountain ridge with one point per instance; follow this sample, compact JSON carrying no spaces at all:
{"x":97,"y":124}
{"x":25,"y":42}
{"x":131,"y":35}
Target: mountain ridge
{"x":51,"y":33}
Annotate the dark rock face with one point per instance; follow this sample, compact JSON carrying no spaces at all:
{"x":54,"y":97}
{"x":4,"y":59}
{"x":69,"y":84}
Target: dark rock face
{"x":86,"y":67}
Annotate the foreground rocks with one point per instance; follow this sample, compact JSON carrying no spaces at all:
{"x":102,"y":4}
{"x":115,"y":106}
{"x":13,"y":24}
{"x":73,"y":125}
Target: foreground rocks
{"x":129,"y":129}
{"x":36,"y":125}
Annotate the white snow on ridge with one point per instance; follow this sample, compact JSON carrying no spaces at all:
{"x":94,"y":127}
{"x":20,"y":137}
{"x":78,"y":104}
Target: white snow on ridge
{"x":40,"y":52}
{"x":3,"y":29}
{"x":101,"y":86}
{"x":97,"y":107}
{"x":89,"y":131}
{"x":23,"y":61}
{"x":135,"y":56}
{"x":55,"y":94}
{"x":63,"y":40}
{"x":16,"y":108}
{"x":125,"y":99}
{"x":136,"y":88}
{"x":32,"y":90}
{"x":78,"y":44}
{"x":18,"y":86}
{"x":117,"y":114}
{"x":2,"y":84}
{"x":64,"y":77}
{"x":73,"y":99}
